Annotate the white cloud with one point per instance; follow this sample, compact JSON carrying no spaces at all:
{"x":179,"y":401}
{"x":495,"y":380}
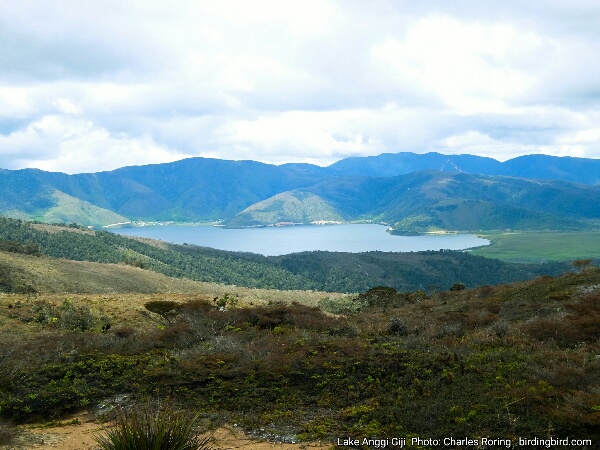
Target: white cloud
{"x":303,"y":132}
{"x":15,"y":102}
{"x":66,"y":106}
{"x":472,"y":67}
{"x":67,"y":144}
{"x":139,"y":82}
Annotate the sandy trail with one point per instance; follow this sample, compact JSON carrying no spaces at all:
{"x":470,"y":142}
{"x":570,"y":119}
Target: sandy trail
{"x":80,"y":436}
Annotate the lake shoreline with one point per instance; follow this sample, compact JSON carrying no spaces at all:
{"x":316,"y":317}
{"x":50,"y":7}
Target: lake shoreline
{"x":276,"y":241}
{"x":218,"y":223}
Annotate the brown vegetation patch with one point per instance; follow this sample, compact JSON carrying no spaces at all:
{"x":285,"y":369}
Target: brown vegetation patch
{"x":505,"y":363}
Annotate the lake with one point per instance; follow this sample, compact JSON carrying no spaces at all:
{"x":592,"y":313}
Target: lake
{"x":272,"y":241}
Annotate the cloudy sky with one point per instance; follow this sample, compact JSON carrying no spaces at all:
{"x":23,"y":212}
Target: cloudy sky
{"x":87,"y":86}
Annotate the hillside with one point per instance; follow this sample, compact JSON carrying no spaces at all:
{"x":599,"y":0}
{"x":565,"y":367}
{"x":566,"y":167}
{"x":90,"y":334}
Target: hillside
{"x":68,"y":209}
{"x":200,"y":264}
{"x":429,"y":201}
{"x":287,"y":207}
{"x":30,"y":274}
{"x":394,"y":164}
{"x":253,"y":193}
{"x":323,"y":271}
{"x":498,"y":362}
{"x":188,"y":190}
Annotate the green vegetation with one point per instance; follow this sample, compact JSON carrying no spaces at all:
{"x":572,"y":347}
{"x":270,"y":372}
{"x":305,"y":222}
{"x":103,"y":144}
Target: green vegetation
{"x":505,"y":361}
{"x":429,"y":201}
{"x":251,"y":193}
{"x":323,"y":271}
{"x":428,"y":270}
{"x":16,"y":247}
{"x":541,"y":246}
{"x":175,"y":261}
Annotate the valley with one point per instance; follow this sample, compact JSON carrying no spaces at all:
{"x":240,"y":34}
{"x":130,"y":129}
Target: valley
{"x":298,"y":349}
{"x":297,"y":225}
{"x":412,"y":193}
{"x":462,"y":362}
{"x":315,"y":270}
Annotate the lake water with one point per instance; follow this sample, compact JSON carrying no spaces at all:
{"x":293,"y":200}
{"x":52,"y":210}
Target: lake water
{"x":271,"y":241}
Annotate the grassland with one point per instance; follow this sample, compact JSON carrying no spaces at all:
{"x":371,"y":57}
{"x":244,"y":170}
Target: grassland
{"x":505,"y":361}
{"x":541,"y":246}
{"x":47,"y":276}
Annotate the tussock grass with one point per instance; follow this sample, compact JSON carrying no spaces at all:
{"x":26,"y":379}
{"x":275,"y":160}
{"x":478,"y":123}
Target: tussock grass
{"x":146,"y":427}
{"x":47,"y":276}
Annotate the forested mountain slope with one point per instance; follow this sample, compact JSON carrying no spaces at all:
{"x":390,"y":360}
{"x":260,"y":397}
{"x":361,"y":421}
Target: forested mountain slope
{"x":566,"y":168}
{"x":250,"y":192}
{"x":431,"y":200}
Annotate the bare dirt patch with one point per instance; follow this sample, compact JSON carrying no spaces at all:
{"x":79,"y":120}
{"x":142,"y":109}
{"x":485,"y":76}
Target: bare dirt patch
{"x":67,"y":435}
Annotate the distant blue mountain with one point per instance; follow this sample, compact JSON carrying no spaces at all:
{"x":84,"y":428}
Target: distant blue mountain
{"x":393,"y":164}
{"x":404,"y":189}
{"x":566,"y":168}
{"x":575,"y":170}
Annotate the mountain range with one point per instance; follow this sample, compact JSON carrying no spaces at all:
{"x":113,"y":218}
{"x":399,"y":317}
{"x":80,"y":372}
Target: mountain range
{"x":411,"y":192}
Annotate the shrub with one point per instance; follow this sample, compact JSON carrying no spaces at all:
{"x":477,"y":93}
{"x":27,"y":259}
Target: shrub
{"x":29,"y":248}
{"x":145,"y":427}
{"x":398,"y":327}
{"x":386,"y":297}
{"x":74,"y":317}
{"x":124,"y":332}
{"x":343,"y":305}
{"x":294,"y":315}
{"x":458,"y":287}
{"x":501,"y":328}
{"x":135,"y":263}
{"x":67,"y":316}
{"x":164,"y":308}
{"x":581,"y":324}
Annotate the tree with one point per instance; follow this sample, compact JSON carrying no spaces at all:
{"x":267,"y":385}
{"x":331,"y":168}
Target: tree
{"x":458,"y":287}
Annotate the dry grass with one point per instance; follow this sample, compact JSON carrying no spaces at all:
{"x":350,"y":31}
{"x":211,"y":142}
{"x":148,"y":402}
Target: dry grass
{"x":506,"y":360}
{"x":52,"y":275}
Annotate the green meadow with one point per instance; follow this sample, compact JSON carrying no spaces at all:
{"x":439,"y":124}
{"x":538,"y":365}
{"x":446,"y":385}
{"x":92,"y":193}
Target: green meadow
{"x":541,"y":246}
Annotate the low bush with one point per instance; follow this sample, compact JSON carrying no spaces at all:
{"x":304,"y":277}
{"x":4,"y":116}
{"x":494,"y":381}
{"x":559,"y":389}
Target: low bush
{"x":386,"y":297}
{"x":145,"y":427}
{"x":165,"y":308}
{"x":580,"y":324}
{"x":398,"y":327}
{"x":68,"y":316}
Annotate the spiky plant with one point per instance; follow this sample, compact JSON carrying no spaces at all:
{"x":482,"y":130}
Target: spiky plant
{"x":152,"y":429}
